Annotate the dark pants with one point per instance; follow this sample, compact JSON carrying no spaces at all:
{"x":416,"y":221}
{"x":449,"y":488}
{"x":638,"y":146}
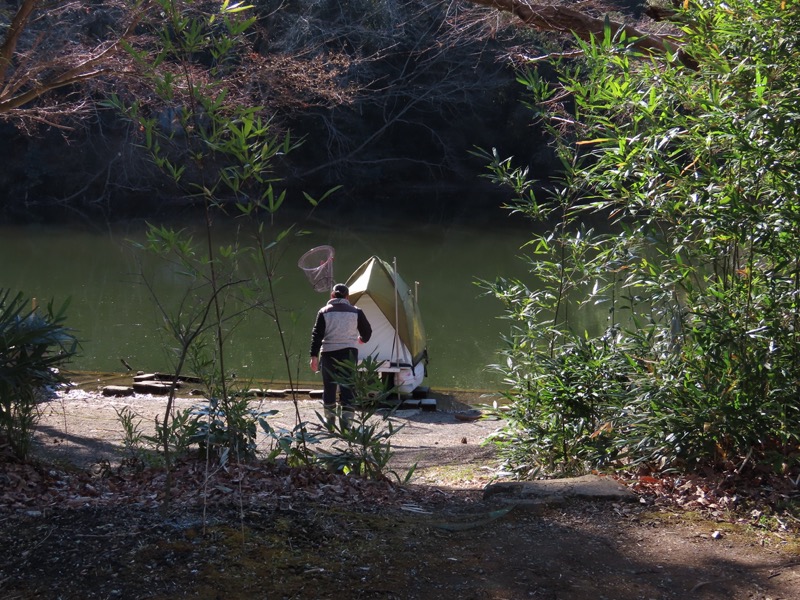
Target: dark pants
{"x":333,"y":371}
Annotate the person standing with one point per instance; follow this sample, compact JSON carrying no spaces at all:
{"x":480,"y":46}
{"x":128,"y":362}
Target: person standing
{"x":338,"y":329}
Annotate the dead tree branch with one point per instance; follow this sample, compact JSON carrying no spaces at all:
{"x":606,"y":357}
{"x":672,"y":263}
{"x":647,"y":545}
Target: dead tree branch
{"x":562,"y":19}
{"x":33,"y":65}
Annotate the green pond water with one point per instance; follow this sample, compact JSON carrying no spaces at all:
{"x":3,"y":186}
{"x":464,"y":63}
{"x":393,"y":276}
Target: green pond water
{"x":114,"y":315}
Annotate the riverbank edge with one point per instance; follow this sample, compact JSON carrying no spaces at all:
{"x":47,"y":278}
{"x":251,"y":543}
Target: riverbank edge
{"x":448,"y":399}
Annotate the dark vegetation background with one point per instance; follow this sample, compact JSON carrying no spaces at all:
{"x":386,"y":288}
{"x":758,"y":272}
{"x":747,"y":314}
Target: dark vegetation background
{"x":391,"y":98}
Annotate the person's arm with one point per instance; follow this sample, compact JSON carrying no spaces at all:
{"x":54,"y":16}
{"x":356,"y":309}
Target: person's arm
{"x":364,"y":328}
{"x":317,"y":335}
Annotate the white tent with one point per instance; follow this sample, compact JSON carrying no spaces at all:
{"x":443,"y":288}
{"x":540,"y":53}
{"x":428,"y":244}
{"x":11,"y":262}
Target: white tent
{"x":398,"y":335}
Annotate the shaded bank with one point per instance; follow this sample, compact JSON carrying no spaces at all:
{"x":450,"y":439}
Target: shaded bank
{"x":95,"y":180}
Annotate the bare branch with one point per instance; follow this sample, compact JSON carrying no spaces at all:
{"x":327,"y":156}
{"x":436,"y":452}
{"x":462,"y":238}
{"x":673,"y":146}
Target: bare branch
{"x":562,"y":19}
{"x":31,"y":70}
{"x":13,"y":34}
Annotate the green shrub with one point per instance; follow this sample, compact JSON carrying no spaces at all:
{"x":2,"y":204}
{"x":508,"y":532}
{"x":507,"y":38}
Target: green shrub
{"x":693,"y":176}
{"x":32,"y":348}
{"x":360,"y":436}
{"x":227,"y":429}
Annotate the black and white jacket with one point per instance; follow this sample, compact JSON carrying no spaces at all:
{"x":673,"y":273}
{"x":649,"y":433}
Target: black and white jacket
{"x":338,"y":326}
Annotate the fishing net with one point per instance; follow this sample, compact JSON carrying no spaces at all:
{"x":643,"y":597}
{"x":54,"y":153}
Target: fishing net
{"x":317,"y":264}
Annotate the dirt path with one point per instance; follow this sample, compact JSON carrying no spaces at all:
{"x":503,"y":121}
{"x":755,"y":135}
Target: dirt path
{"x":280,"y":535}
{"x":83,"y":427}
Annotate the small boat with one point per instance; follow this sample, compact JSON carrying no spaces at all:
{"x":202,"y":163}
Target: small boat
{"x":398,"y":340}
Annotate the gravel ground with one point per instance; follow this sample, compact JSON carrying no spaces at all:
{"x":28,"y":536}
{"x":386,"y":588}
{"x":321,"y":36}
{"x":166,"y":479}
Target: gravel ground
{"x":82,"y":426}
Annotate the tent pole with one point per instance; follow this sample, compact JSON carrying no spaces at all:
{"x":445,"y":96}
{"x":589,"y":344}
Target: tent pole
{"x":396,"y":315}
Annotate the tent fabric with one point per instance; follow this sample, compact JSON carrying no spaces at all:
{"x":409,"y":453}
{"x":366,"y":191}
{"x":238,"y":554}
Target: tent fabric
{"x":384,"y":345}
{"x":372,"y":288}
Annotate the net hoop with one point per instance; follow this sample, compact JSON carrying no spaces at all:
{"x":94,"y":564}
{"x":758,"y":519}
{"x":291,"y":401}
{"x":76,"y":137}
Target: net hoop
{"x":317,"y":264}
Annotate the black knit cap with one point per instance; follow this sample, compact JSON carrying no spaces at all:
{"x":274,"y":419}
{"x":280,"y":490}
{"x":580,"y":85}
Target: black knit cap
{"x":340,"y":290}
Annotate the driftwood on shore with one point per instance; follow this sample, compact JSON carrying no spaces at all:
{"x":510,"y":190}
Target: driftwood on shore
{"x":159,"y":384}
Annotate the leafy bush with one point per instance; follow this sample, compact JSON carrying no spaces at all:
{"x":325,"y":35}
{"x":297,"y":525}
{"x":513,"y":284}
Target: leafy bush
{"x":227,"y":429}
{"x":360,"y":437}
{"x":32,"y":348}
{"x":354,"y":440}
{"x":694,"y":174}
{"x":562,"y":419}
{"x":295,"y":444}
